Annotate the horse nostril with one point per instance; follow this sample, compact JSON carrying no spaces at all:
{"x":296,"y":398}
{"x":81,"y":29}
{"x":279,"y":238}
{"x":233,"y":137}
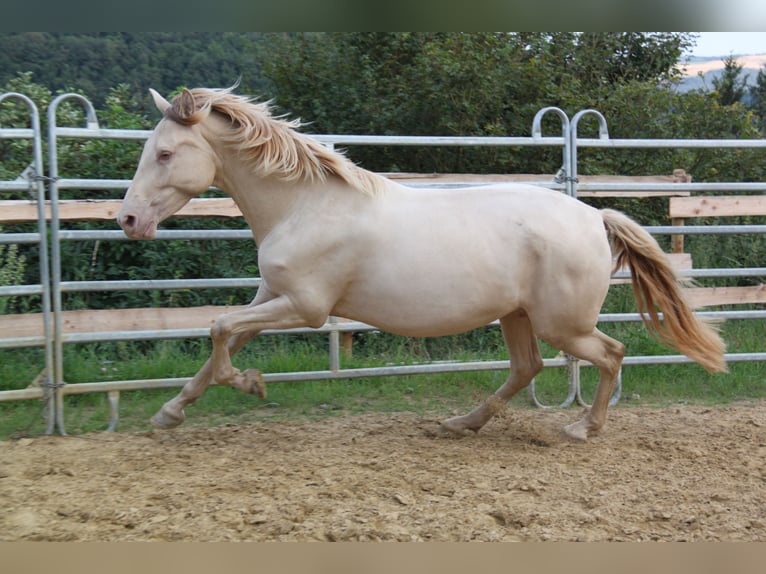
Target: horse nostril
{"x":128,"y":221}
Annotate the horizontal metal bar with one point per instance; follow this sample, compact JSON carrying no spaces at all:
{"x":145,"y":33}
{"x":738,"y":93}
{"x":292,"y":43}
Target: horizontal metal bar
{"x":116,"y":134}
{"x":19,"y":342}
{"x":348,"y":139}
{"x":683,"y":359}
{"x":93,"y":184}
{"x":142,"y":284}
{"x":366,"y":372}
{"x":668,"y":143}
{"x":728,"y":272}
{"x":704,"y":229}
{"x":343,"y":139}
{"x":254,"y":282}
{"x":19,"y":238}
{"x":16,"y":133}
{"x":725,"y":315}
{"x":22,"y":394}
{"x":14,"y":185}
{"x":708,"y":186}
{"x":14,"y":290}
{"x":162,"y":234}
{"x":207,"y":234}
{"x":123,"y":184}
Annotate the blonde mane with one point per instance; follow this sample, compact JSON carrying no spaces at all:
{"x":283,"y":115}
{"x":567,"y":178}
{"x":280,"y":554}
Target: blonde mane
{"x":271,"y":144}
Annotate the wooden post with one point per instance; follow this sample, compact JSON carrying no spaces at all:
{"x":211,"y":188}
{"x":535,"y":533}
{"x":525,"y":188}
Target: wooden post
{"x":346,"y":344}
{"x":677,"y":241}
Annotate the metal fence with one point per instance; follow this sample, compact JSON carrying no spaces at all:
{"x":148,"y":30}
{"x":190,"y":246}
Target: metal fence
{"x":53,"y":387}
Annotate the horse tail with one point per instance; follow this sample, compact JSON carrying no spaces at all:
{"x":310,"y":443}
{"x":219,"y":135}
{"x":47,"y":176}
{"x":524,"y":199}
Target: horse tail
{"x":656,"y":285}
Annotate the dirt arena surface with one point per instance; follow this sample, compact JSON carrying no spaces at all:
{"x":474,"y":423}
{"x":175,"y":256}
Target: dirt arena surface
{"x":677,"y":473}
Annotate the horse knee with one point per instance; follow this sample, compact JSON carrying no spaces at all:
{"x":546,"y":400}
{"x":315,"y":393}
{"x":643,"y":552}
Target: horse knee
{"x":221,"y":330}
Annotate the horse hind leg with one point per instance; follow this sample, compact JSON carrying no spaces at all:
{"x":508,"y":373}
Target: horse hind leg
{"x":606,"y":354}
{"x":526,"y":362}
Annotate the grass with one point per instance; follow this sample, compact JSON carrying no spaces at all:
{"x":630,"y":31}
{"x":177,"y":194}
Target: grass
{"x":442,"y":394}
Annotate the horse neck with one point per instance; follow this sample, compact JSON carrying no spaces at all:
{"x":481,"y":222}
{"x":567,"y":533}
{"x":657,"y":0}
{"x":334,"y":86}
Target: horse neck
{"x":268,"y":202}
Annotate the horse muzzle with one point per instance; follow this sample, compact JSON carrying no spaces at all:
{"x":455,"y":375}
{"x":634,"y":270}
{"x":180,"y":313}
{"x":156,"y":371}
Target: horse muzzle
{"x":136,"y":227}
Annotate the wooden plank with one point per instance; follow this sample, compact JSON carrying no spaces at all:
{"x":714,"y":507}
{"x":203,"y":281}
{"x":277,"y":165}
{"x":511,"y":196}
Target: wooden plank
{"x":717,"y":206}
{"x":17,"y":211}
{"x":677,"y":241}
{"x":713,"y":296}
{"x":158,"y":318}
{"x":106,"y":320}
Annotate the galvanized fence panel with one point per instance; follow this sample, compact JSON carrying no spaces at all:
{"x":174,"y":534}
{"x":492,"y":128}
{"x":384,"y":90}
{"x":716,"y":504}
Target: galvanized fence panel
{"x":32,"y":180}
{"x":566,"y":181}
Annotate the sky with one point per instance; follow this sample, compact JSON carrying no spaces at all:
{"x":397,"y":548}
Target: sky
{"x":720,"y":44}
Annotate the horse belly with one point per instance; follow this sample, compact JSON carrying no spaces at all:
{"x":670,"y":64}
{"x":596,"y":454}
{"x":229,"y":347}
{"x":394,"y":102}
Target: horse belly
{"x":418,"y":293}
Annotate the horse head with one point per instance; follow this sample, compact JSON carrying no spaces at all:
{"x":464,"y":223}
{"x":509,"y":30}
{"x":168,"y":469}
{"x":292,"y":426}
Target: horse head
{"x":177,"y":164}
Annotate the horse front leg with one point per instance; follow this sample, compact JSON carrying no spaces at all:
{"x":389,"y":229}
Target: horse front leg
{"x":172,"y":412}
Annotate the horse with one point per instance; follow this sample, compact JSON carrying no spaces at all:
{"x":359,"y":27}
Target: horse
{"x":335,"y":239}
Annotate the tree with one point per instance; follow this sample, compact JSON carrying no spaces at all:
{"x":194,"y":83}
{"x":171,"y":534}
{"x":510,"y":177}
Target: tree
{"x":458,"y":84}
{"x":729,"y":86}
{"x":93,"y":63}
{"x":758,"y":99}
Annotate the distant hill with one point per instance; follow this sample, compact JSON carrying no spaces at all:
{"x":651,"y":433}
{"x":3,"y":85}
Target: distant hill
{"x":711,"y":68}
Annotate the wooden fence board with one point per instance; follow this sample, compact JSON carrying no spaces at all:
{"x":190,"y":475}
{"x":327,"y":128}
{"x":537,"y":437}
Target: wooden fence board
{"x":714,"y":296}
{"x":717,"y":206}
{"x":152,"y":319}
{"x":18,"y":211}
{"x":105,"y":320}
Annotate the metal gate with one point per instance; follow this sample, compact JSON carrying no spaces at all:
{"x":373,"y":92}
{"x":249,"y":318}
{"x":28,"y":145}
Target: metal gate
{"x":53,"y":388}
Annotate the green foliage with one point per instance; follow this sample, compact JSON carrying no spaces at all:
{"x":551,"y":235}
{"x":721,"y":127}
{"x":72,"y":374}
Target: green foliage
{"x":11,"y":273}
{"x":757,"y":103}
{"x":96,"y":62}
{"x":458,"y":84}
{"x":731,"y":87}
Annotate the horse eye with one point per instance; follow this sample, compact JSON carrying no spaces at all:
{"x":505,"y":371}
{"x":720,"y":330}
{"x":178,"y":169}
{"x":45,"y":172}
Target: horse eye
{"x":164,"y":155}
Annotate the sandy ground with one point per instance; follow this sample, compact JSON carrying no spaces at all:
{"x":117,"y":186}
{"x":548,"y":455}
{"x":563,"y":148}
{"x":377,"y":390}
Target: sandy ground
{"x":679,"y":473}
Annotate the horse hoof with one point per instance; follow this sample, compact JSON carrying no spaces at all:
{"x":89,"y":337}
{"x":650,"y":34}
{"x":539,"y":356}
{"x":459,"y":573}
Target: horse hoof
{"x":577,"y":432}
{"x":456,"y":425}
{"x":165,"y":420}
{"x":255,"y":382}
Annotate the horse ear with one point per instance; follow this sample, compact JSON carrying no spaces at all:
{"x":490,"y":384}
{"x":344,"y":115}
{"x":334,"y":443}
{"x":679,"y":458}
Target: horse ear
{"x":185,"y":105}
{"x":161,"y":103}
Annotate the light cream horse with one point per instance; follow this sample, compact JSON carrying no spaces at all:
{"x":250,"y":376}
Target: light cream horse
{"x":334,"y":239}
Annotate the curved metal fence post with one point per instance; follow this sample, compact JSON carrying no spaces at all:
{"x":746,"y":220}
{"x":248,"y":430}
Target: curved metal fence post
{"x":37,"y":180}
{"x":53,"y":175}
{"x":573,"y":382}
{"x":566,"y":162}
{"x":114,"y":409}
{"x":603,"y":134}
{"x":612,"y":401}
